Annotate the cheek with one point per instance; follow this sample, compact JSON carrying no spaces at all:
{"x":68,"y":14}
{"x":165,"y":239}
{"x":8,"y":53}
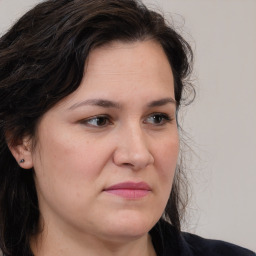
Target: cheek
{"x":165,"y":162}
{"x":67,"y":172}
{"x":63,"y":159}
{"x":167,"y":156}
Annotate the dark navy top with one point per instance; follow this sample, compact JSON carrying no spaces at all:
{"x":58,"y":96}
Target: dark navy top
{"x":168,"y":241}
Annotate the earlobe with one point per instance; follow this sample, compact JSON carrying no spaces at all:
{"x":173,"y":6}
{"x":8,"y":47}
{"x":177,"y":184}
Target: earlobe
{"x":23,"y":153}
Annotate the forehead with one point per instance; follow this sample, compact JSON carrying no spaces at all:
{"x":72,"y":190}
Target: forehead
{"x":126,"y":72}
{"x":127,"y":56}
{"x":128,"y":63}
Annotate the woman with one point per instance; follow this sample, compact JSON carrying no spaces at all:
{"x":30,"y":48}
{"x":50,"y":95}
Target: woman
{"x":90,"y":92}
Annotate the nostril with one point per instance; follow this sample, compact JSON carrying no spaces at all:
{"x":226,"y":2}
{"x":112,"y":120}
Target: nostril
{"x":127,"y":164}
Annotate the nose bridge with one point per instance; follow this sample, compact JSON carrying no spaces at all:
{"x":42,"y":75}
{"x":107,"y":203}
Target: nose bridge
{"x":136,"y":140}
{"x":133,"y":148}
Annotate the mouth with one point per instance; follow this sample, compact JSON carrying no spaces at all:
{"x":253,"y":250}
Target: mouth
{"x":129,"y":190}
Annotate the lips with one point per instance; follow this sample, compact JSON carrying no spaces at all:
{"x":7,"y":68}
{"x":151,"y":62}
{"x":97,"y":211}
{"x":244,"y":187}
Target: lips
{"x":129,"y":190}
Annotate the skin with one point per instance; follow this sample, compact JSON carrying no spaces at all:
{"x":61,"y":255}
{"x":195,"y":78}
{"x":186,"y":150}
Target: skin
{"x":77,"y":156}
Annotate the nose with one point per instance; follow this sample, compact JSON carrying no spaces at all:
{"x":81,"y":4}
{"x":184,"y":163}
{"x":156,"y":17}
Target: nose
{"x":133,"y":150}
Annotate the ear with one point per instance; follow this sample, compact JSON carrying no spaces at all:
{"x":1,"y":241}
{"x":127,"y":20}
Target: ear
{"x":22,"y":152}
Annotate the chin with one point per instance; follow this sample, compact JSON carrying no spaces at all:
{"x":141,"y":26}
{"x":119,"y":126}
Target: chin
{"x":130,"y":226}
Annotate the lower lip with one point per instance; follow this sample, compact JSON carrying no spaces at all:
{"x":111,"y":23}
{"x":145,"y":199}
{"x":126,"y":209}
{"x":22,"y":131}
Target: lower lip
{"x":129,"y":193}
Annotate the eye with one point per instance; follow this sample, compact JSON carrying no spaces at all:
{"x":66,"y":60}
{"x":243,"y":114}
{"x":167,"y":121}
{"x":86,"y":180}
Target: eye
{"x":97,"y":121}
{"x":158,"y":119}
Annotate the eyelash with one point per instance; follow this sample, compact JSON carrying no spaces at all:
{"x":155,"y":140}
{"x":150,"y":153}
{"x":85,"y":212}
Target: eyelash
{"x":94,"y":118}
{"x":165,"y":118}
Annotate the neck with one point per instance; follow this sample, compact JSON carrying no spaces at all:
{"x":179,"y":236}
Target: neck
{"x":49,"y":244}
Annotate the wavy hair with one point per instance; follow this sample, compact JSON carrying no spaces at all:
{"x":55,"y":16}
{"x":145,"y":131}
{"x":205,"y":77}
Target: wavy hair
{"x":42,"y":59}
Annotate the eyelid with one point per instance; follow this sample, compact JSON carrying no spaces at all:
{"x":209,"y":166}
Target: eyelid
{"x":88,"y":119}
{"x":167,"y":117}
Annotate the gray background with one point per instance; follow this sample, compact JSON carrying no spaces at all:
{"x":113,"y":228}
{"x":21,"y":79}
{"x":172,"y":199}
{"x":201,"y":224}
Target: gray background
{"x":222,"y":119}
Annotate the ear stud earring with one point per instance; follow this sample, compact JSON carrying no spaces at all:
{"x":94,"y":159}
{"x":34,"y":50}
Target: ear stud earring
{"x":22,"y":161}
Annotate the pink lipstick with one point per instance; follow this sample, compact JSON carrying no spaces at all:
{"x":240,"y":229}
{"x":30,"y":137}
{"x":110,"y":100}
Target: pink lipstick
{"x":129,"y":190}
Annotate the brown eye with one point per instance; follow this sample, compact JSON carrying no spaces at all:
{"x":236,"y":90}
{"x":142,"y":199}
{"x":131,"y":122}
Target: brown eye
{"x":97,"y":121}
{"x":158,"y":119}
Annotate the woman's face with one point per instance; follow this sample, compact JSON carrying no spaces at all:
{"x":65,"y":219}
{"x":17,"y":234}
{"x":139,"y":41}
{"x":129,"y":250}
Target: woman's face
{"x":105,"y":156}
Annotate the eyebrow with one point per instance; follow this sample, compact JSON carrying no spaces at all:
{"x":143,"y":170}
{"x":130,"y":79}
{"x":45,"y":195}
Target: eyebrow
{"x":162,"y":102}
{"x":111,"y":104}
{"x":96,"y":102}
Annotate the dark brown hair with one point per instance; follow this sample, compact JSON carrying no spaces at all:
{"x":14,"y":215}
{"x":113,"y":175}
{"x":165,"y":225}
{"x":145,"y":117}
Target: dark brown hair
{"x":42,"y":60}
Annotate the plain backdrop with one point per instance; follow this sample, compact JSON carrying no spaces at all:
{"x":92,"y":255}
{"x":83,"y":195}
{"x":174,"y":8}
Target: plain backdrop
{"x":221,"y":122}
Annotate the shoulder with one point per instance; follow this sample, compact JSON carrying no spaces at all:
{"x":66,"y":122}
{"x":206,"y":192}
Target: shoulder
{"x":200,"y":246}
{"x":168,"y":241}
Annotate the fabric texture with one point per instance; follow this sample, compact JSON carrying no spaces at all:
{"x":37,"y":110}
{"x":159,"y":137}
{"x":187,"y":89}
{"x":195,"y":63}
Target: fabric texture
{"x":169,"y":242}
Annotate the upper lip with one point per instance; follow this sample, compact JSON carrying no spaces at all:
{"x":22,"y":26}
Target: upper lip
{"x":130,"y":185}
